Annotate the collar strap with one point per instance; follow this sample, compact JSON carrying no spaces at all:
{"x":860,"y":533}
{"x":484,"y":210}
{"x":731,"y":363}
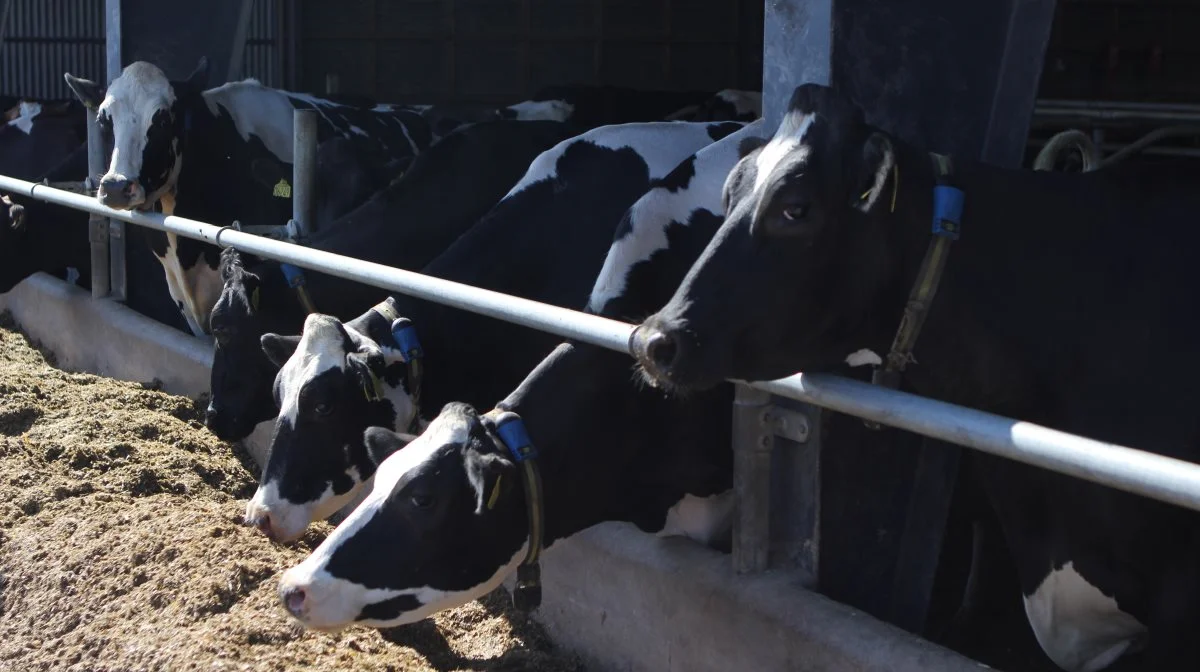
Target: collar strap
{"x":510,"y":429}
{"x":404,"y":333}
{"x":295,"y":280}
{"x":948,"y":203}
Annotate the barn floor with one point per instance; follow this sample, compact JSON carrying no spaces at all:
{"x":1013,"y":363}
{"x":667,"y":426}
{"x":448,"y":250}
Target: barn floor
{"x":121,"y":548}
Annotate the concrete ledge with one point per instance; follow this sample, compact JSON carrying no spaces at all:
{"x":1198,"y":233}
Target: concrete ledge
{"x":622,"y":599}
{"x":107,"y":338}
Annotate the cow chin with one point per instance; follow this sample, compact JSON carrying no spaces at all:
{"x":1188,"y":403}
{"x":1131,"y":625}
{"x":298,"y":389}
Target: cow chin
{"x":284,"y":521}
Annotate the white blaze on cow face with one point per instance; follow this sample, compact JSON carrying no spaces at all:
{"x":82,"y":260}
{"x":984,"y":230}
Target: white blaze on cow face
{"x":131,"y":102}
{"x":787,"y":146}
{"x":660,"y":207}
{"x":332,"y":603}
{"x":1080,"y":628}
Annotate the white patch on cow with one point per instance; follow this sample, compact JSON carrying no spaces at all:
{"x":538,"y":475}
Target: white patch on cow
{"x":549,"y":110}
{"x":314,"y":355}
{"x":1080,"y":628}
{"x":131,"y":101}
{"x":289,"y":519}
{"x":787,"y":142}
{"x":661,"y":144}
{"x":26,"y":111}
{"x":333,"y":603}
{"x":195,"y":289}
{"x":357,"y":131}
{"x":881,"y":176}
{"x":702,"y":519}
{"x":864,"y":357}
{"x":658,"y":208}
{"x":256,"y":110}
{"x":744,"y":102}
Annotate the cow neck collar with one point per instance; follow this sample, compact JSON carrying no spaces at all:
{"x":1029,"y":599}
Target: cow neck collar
{"x":508,"y":430}
{"x":948,"y":202}
{"x":404,"y":334}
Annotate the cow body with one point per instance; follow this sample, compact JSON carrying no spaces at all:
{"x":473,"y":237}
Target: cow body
{"x":608,"y":448}
{"x":1059,"y":299}
{"x":35,"y":135}
{"x":593,"y":106}
{"x":445,"y":191}
{"x":204,"y":155}
{"x":545,"y":241}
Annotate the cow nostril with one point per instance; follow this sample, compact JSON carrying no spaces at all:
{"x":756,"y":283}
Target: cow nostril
{"x":662,"y":350}
{"x":293,"y":599}
{"x":128,"y":189}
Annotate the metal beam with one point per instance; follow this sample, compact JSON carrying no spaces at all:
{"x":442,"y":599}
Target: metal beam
{"x":1159,"y":477}
{"x":118,"y":287}
{"x":237,"y":50}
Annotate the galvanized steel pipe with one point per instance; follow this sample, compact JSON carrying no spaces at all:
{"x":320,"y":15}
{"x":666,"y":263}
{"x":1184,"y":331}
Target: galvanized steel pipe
{"x":97,"y":223}
{"x":304,"y":170}
{"x":1163,"y":478}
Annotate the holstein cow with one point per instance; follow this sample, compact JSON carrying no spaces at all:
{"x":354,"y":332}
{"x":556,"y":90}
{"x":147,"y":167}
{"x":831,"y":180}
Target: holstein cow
{"x":608,"y":447}
{"x":592,"y":106}
{"x":35,"y":135}
{"x":445,"y":191}
{"x":54,"y":240}
{"x":1054,"y":305}
{"x":545,"y":241}
{"x":197,"y":153}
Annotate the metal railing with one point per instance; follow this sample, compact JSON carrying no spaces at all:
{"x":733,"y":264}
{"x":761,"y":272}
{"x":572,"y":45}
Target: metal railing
{"x":1163,"y":478}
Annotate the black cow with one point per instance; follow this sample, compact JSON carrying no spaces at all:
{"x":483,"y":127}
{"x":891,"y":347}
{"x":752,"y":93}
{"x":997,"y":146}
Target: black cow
{"x":1066,"y":302}
{"x":229,"y":135}
{"x":35,"y":135}
{"x":545,"y":241}
{"x":609,"y":448}
{"x":54,"y":240}
{"x":592,"y":106}
{"x":447,"y":189}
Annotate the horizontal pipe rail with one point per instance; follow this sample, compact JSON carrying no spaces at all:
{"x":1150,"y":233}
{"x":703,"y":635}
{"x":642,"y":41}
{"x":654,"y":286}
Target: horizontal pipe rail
{"x":1163,"y":478}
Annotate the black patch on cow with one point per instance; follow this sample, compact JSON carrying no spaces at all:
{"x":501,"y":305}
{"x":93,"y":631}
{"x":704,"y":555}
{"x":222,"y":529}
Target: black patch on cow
{"x":718,"y":131}
{"x":679,"y":178}
{"x":160,"y":154}
{"x":389,"y":609}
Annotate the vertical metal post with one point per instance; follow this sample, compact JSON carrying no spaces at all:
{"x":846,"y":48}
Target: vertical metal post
{"x":97,"y":225}
{"x":304,"y":170}
{"x":753,"y":440}
{"x":237,"y":54}
{"x":116,"y":228}
{"x":5,"y":9}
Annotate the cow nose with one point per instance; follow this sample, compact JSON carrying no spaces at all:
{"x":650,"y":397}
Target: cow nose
{"x":293,"y":598}
{"x":116,"y":192}
{"x":264,"y":522}
{"x":656,"y":349}
{"x":210,"y":416}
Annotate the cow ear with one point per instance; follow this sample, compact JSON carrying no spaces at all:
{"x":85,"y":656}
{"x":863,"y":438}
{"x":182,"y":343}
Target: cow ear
{"x":492,"y":476}
{"x":381,"y":443}
{"x":749,"y":144}
{"x":88,"y":92}
{"x":878,"y":159}
{"x":279,"y":349}
{"x":366,"y":366}
{"x":268,"y":172}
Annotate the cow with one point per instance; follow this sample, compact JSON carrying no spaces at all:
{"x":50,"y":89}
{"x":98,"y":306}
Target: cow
{"x":593,"y":106}
{"x":35,"y":135}
{"x":37,"y":236}
{"x":196,"y":153}
{"x":1054,"y":304}
{"x":545,"y":241}
{"x":608,"y":448}
{"x":445,"y":191}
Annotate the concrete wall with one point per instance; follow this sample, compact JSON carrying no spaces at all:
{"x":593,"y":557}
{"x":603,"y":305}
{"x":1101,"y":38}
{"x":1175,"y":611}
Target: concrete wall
{"x":621,"y":599}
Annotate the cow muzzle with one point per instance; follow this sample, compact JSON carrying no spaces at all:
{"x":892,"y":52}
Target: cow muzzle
{"x":120,"y":193}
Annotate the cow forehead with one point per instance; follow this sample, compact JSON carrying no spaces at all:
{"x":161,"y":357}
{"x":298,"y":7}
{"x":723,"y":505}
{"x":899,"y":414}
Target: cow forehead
{"x":141,"y":90}
{"x":788,"y":145}
{"x":447,"y":430}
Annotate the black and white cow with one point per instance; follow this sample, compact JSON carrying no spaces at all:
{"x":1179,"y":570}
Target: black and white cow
{"x":429,"y":535}
{"x":53,"y":239}
{"x":201,"y":154}
{"x":593,"y":106}
{"x":35,"y":135}
{"x":445,"y":191}
{"x":1067,"y":301}
{"x":545,"y":241}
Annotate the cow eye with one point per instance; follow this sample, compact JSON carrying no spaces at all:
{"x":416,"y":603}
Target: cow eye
{"x":795,"y":212}
{"x":323,"y":408}
{"x":422,"y":500}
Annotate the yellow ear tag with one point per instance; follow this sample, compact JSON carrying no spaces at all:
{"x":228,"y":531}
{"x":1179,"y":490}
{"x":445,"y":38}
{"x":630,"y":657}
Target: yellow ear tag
{"x":282,"y":189}
{"x":491,"y":503}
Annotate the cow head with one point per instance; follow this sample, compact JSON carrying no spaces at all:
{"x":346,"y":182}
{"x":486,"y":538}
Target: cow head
{"x":14,"y":215}
{"x":334,"y":382}
{"x":144,"y":115}
{"x":444,"y":524}
{"x":799,"y":277}
{"x":240,"y":385}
